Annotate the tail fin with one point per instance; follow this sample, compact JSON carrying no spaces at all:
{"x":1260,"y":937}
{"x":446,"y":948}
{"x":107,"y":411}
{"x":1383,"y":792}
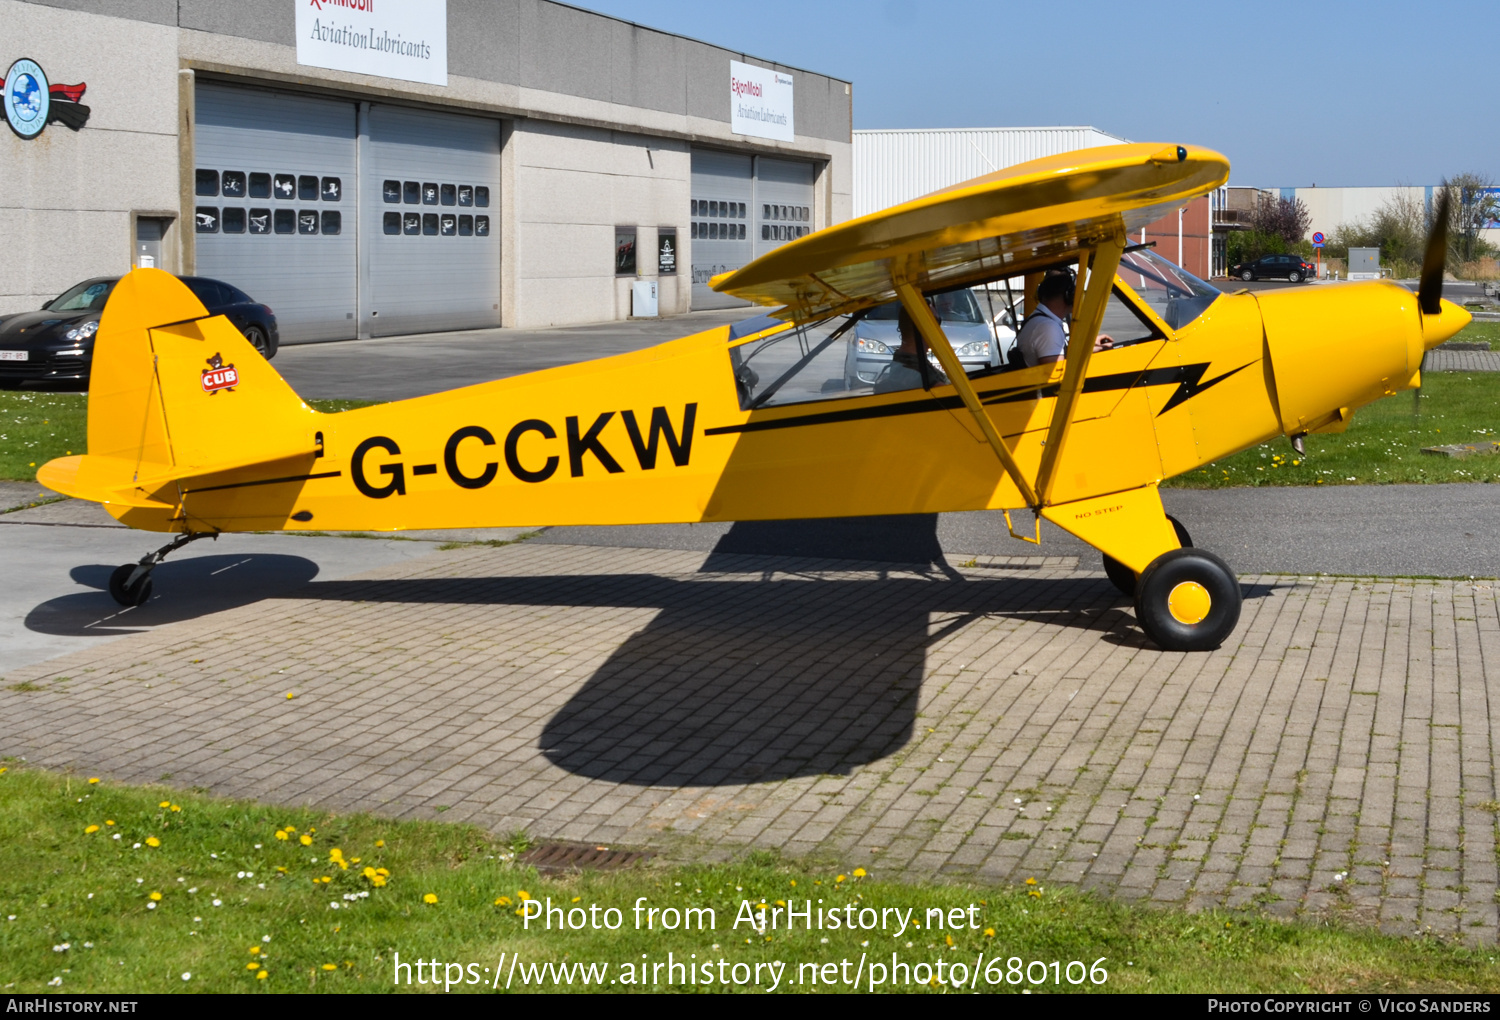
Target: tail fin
{"x":177,"y":398}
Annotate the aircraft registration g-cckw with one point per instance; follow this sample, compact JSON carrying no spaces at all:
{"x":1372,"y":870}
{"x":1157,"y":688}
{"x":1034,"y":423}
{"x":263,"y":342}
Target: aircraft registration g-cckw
{"x":190,"y":431}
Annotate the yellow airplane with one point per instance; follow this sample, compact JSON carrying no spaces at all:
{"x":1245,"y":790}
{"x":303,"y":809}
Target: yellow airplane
{"x":190,"y":431}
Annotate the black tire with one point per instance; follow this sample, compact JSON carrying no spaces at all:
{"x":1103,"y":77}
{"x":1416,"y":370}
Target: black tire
{"x":1247,"y":275}
{"x":135,"y":594}
{"x":1188,"y":600}
{"x":1295,"y":277}
{"x":260,"y":342}
{"x":1123,"y":578}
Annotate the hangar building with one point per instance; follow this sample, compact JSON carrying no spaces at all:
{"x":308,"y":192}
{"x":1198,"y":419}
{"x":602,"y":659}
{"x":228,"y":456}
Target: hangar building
{"x":375,"y":168}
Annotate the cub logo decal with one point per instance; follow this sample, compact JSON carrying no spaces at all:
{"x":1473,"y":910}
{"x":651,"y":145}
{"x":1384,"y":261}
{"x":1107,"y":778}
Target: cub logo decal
{"x":219,"y":376}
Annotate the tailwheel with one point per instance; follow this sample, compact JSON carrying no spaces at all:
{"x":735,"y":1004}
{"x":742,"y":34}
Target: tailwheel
{"x":1123,"y":578}
{"x":1188,"y":600}
{"x":130,"y":585}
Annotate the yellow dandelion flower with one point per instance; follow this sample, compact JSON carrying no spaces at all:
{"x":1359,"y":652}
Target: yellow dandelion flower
{"x":839,"y":879}
{"x":260,"y":976}
{"x":290,"y":695}
{"x":1031,"y":881}
{"x":382,"y":873}
{"x":281,"y":869}
{"x":3,"y":771}
{"x":380,"y":842}
{"x":794,"y":883}
{"x":989,"y":933}
{"x":176,"y":807}
{"x":368,"y":872}
{"x":354,"y":860}
{"x":93,"y":779}
{"x":325,"y":880}
{"x":255,"y":950}
{"x":109,"y":821}
{"x":156,"y":896}
{"x":860,"y":872}
{"x":503,"y":901}
{"x":152,"y":841}
{"x":252,"y":965}
{"x":948,"y":939}
{"x":165,"y":803}
{"x":429,"y":898}
{"x":305,"y":840}
{"x":282,"y":835}
{"x":781,"y":903}
{"x":330,"y":966}
{"x":577,"y":899}
{"x":335,"y":853}
{"x":523,"y":894}
{"x":91,"y":828}
{"x":378,"y":881}
{"x":520,"y":912}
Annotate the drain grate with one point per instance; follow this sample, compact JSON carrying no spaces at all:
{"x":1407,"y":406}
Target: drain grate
{"x":552,"y":857}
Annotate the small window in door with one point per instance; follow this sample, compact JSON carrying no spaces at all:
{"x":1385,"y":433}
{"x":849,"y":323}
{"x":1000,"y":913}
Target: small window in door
{"x":260,"y":185}
{"x":466,"y":226}
{"x":430,"y":224}
{"x":307,"y":221}
{"x":411,"y":192}
{"x":234,"y":219}
{"x":333,"y":189}
{"x":391,"y":192}
{"x":206,"y":220}
{"x":233,"y":183}
{"x":482,"y":197}
{"x":448,"y":194}
{"x":411,"y":224}
{"x":307,"y":188}
{"x":465,"y":195}
{"x":333,"y":221}
{"x":286,"y":221}
{"x":260,"y":221}
{"x":429,"y":194}
{"x":392,"y":223}
{"x":285,"y":186}
{"x":207,"y":183}
{"x":481,"y":226}
{"x":448,"y":225}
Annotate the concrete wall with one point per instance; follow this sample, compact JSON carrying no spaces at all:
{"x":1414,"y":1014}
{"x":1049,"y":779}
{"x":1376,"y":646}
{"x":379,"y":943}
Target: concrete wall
{"x":68,"y":197}
{"x":1334,"y":207}
{"x":598,"y":117}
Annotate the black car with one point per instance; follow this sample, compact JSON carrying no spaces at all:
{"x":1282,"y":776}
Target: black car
{"x":56,"y":344}
{"x":1277,"y":267}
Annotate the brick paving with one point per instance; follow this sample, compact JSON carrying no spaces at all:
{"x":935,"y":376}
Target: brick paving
{"x":996,"y":720}
{"x":1462,"y":361}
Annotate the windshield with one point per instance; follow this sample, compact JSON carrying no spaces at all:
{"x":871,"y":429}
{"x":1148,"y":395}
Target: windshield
{"x":954,"y":306}
{"x":1175,"y":294}
{"x":86,"y":297}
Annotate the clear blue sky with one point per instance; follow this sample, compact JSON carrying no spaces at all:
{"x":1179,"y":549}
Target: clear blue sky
{"x":1295,"y":94}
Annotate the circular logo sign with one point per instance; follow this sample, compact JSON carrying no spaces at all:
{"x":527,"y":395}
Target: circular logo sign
{"x":28,"y":98}
{"x":1318,"y":237}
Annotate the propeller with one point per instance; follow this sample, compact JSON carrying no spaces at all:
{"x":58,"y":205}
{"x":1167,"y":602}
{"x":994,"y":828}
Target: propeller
{"x":1430,"y":287}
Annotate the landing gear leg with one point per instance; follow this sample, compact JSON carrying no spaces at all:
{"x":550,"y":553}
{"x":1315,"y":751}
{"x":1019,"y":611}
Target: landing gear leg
{"x":130,"y":585}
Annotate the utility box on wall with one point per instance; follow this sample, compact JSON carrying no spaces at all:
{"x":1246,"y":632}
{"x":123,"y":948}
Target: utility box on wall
{"x":643,"y":299}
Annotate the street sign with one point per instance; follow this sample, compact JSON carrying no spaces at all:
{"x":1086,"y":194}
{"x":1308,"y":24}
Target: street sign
{"x":1318,"y":239}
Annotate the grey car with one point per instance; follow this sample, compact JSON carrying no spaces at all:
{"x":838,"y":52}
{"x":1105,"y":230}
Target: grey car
{"x":868,"y":351}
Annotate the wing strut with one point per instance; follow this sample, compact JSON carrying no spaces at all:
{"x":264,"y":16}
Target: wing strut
{"x":1087,"y":318}
{"x":927,"y":325}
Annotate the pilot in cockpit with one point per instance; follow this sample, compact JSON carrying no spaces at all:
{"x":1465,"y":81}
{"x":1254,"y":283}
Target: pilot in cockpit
{"x":1044,"y":335}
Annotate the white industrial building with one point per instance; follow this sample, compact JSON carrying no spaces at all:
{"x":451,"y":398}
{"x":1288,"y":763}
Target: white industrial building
{"x":897,"y":166}
{"x":373,"y":168}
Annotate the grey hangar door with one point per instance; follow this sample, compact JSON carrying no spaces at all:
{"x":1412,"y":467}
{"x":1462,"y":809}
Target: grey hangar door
{"x":347,"y":218}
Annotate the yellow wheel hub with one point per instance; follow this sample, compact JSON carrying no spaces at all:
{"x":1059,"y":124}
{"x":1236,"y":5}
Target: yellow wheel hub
{"x":1189,"y":603}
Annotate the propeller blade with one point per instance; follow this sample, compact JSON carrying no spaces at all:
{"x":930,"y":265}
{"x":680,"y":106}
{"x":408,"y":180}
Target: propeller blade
{"x":1430,"y":288}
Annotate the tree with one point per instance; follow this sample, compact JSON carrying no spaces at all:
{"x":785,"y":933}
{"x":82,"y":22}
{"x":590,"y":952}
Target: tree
{"x":1286,"y":218}
{"x":1473,"y":203}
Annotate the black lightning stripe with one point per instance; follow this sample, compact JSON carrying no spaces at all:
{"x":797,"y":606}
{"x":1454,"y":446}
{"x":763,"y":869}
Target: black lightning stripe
{"x":1187,"y":378}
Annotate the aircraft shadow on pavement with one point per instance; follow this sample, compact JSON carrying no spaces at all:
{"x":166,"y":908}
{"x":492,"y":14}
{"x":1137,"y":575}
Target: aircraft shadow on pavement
{"x":184,"y":589}
{"x":740,"y":680}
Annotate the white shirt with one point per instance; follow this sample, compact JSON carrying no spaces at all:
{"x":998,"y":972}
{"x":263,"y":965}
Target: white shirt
{"x":1042,"y":336}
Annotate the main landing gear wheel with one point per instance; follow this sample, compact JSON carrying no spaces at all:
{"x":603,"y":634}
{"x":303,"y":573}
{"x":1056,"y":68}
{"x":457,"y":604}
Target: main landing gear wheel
{"x":1188,"y":600}
{"x":1123,"y":578}
{"x":128,"y":589}
{"x":130,"y":584}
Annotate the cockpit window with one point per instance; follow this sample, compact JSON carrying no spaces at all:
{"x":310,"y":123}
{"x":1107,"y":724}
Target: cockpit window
{"x":953,"y":306}
{"x":1175,"y":294}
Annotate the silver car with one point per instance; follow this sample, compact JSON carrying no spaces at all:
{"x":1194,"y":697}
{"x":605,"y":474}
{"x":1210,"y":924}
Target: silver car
{"x":868,"y":351}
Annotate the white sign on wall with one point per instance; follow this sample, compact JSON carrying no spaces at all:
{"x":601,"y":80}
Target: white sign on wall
{"x":406,"y":39}
{"x":760,"y":102}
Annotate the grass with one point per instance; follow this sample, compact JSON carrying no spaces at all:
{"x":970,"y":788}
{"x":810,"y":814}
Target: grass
{"x":1383,"y":443}
{"x":35,"y":427}
{"x":242,"y":910}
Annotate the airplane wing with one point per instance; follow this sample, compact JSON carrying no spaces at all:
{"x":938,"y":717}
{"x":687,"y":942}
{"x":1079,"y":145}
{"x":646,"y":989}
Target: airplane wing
{"x":1004,"y":223}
